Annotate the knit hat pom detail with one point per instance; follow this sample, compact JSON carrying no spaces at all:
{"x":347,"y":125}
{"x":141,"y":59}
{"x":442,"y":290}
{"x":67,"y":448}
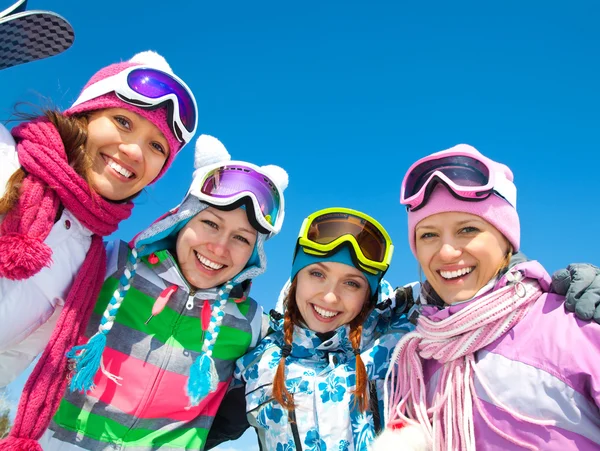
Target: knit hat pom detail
{"x":21,"y":444}
{"x":209,"y":150}
{"x":152,"y":59}
{"x":410,"y":436}
{"x":22,"y":255}
{"x":277,"y":174}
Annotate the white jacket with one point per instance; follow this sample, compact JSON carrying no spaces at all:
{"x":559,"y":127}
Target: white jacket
{"x":29,"y":309}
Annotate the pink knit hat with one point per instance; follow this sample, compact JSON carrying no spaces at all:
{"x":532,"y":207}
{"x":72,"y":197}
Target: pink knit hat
{"x":495,"y":209}
{"x":157,"y":116}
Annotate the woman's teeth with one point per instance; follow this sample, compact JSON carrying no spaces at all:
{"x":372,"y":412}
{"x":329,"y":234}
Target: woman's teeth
{"x":325,"y":313}
{"x":120,"y":169}
{"x":208,"y":263}
{"x":457,"y":273}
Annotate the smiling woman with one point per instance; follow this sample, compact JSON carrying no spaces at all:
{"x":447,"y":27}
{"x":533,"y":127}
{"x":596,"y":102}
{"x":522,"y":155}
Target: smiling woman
{"x":495,"y":362}
{"x":215,"y":246}
{"x":316,"y":380}
{"x":460,"y":253}
{"x":128,"y":152}
{"x":330,"y":294}
{"x":70,"y":177}
{"x":174,"y":314}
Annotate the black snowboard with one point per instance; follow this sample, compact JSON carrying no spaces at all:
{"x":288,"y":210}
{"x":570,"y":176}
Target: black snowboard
{"x":27,"y":36}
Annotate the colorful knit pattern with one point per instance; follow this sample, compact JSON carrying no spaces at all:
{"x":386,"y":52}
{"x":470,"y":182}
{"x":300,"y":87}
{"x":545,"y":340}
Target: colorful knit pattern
{"x":148,"y":407}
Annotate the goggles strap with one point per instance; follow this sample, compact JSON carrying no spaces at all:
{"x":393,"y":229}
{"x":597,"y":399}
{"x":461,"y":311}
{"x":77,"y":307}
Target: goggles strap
{"x":248,"y":204}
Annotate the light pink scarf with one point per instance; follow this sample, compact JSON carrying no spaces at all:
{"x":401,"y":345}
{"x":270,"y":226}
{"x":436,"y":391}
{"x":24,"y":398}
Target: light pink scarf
{"x":447,"y":422}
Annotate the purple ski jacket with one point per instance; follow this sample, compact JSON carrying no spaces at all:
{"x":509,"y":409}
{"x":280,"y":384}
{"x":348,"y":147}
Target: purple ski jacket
{"x":546,"y":367}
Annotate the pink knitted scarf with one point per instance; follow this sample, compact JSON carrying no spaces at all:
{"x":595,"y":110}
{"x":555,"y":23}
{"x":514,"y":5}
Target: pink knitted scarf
{"x":447,"y":421}
{"x":50,"y":181}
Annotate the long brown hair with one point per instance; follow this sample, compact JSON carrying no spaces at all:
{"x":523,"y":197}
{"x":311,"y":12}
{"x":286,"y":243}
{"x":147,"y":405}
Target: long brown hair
{"x":291,"y":318}
{"x":73,"y":132}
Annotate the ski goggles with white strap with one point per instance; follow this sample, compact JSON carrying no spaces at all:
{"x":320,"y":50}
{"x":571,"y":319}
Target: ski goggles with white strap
{"x":150,"y":88}
{"x":234,"y":184}
{"x":467,"y":176}
{"x":324,"y":231}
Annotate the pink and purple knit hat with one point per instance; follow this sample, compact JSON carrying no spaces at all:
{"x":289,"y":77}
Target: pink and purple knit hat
{"x":494,"y":209}
{"x":157,"y":116}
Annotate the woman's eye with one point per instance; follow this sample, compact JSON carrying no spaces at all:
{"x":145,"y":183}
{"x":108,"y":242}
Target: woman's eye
{"x":159,"y":147}
{"x":123,"y":121}
{"x":427,"y":235}
{"x":318,"y":274}
{"x":210,"y":224}
{"x":353,"y":284}
{"x":469,"y":230}
{"x":242,"y":239}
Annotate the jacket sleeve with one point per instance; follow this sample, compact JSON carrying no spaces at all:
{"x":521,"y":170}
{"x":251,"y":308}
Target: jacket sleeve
{"x":231,"y":420}
{"x":16,"y":359}
{"x":257,"y":325}
{"x":9,"y":162}
{"x":24,"y":333}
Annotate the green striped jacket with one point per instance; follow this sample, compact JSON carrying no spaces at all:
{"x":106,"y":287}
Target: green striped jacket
{"x":147,"y":407}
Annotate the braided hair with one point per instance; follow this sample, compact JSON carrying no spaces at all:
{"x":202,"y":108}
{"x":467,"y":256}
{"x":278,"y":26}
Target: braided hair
{"x":292,"y":317}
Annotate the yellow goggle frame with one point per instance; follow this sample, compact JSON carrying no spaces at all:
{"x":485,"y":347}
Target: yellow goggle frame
{"x":357,"y":219}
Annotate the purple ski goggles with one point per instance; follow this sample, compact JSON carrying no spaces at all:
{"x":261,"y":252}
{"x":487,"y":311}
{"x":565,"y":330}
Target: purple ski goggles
{"x":231,"y":185}
{"x":150,"y":88}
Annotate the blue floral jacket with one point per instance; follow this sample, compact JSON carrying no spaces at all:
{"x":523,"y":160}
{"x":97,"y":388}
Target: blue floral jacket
{"x":321,"y":376}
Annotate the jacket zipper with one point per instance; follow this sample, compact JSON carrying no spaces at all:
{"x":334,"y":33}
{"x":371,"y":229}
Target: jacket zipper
{"x":374,"y":401}
{"x":294,"y":426}
{"x":144,"y":402}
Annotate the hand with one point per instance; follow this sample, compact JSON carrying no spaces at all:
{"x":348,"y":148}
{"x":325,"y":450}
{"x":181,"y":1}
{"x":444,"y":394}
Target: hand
{"x":404,"y":299}
{"x":580,"y":284}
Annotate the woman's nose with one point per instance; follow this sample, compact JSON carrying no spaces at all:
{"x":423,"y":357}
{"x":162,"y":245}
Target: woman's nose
{"x":449,"y":252}
{"x":330,"y":296}
{"x":133,"y":150}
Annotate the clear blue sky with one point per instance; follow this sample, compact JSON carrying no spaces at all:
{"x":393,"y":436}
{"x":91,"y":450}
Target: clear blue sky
{"x":345,"y":95}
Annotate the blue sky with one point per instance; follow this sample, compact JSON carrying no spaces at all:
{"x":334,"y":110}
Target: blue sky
{"x":345,"y":95}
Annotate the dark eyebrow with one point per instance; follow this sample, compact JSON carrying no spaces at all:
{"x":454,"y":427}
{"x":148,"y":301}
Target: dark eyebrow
{"x":458,"y":224}
{"x":349,"y":274}
{"x":466,"y":221}
{"x":424,"y":226}
{"x":241,"y":229}
{"x":214,"y":214}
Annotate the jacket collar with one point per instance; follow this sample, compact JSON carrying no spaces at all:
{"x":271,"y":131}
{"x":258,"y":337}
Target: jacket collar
{"x":168,"y":270}
{"x":307,"y":344}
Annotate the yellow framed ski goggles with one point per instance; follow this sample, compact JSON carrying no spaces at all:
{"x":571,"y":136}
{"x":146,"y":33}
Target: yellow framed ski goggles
{"x":325,"y":230}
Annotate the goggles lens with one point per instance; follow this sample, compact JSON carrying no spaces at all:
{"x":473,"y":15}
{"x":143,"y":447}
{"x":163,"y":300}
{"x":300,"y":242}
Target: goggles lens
{"x":155,"y":84}
{"x":329,"y":227}
{"x":462,"y":170}
{"x":230,"y":181}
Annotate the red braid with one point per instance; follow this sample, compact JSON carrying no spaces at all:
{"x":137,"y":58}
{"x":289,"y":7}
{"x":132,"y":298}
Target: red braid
{"x":290,"y":319}
{"x":361,"y":395}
